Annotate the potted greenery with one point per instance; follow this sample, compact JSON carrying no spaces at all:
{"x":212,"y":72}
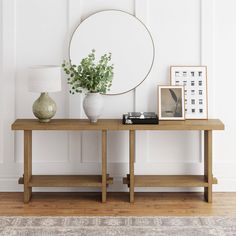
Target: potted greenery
{"x":92,"y":78}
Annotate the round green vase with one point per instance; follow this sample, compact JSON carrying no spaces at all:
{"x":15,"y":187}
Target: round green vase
{"x":44,"y":108}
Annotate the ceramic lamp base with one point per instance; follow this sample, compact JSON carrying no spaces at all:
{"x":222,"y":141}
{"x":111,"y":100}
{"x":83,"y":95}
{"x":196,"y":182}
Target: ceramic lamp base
{"x":44,"y":120}
{"x":44,"y":108}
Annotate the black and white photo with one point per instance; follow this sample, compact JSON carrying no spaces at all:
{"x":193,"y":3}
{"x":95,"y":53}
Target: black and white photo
{"x":171,"y":103}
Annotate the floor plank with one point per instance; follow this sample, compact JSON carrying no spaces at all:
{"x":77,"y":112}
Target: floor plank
{"x":146,"y":204}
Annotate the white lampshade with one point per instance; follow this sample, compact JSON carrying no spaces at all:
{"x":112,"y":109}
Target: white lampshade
{"x":44,"y":79}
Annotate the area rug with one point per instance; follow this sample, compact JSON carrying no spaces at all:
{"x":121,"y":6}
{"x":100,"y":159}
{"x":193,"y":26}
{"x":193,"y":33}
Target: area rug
{"x":122,"y":226}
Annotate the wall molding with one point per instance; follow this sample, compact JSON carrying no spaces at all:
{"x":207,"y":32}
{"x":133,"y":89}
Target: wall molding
{"x":141,"y":11}
{"x":207,"y":48}
{"x":207,"y":56}
{"x":8,"y":77}
{"x":74,"y":17}
{"x":1,"y":77}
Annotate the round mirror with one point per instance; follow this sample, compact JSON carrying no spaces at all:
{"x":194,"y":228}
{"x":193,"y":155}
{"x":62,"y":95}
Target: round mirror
{"x":126,"y":37}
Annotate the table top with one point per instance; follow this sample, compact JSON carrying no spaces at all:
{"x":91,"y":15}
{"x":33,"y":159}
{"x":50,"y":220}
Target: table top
{"x":115,"y":124}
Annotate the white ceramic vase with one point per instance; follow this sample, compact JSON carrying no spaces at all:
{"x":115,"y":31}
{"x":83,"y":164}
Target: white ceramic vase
{"x":93,"y":106}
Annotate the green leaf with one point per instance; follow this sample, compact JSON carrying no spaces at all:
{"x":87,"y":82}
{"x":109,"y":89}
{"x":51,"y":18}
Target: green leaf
{"x":173,"y":95}
{"x":88,"y":75}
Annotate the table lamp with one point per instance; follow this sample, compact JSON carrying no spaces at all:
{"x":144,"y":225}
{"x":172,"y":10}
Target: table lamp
{"x":44,"y":79}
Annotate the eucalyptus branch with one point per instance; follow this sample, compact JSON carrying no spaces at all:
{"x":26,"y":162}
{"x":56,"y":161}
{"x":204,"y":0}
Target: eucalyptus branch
{"x":89,"y":76}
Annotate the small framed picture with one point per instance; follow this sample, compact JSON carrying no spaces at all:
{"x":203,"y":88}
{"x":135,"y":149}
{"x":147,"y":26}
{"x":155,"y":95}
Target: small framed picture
{"x":171,"y":103}
{"x":194,"y":80}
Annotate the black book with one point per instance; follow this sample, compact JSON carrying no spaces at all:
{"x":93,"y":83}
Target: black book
{"x":140,"y":118}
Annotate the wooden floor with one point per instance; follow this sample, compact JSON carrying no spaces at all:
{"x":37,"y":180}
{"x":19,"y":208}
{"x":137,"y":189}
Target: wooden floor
{"x":146,"y":204}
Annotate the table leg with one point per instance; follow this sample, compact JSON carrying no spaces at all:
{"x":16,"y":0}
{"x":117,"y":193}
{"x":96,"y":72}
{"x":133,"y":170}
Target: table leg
{"x":131,"y":163}
{"x":27,"y":164}
{"x":208,"y":165}
{"x":104,"y":165}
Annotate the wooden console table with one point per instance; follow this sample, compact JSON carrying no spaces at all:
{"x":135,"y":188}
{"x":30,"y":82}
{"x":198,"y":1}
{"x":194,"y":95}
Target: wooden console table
{"x":103,"y":125}
{"x":29,"y":180}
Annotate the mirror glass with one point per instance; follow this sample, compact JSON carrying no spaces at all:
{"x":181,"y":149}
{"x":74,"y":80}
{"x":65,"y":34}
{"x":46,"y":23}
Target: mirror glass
{"x":126,"y":37}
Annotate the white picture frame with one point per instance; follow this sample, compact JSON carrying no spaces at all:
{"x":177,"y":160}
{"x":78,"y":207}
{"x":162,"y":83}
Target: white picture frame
{"x":194,"y":80}
{"x":171,"y":102}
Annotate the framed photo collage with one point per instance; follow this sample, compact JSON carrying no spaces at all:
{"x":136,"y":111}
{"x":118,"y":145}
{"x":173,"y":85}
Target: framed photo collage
{"x":186,"y":97}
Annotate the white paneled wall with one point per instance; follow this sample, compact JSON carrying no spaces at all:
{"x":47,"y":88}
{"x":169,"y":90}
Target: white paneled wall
{"x":224,"y":92}
{"x":184,"y":31}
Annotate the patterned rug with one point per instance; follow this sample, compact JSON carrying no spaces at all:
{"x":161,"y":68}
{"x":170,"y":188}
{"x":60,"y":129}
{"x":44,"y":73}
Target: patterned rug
{"x":107,"y":226}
